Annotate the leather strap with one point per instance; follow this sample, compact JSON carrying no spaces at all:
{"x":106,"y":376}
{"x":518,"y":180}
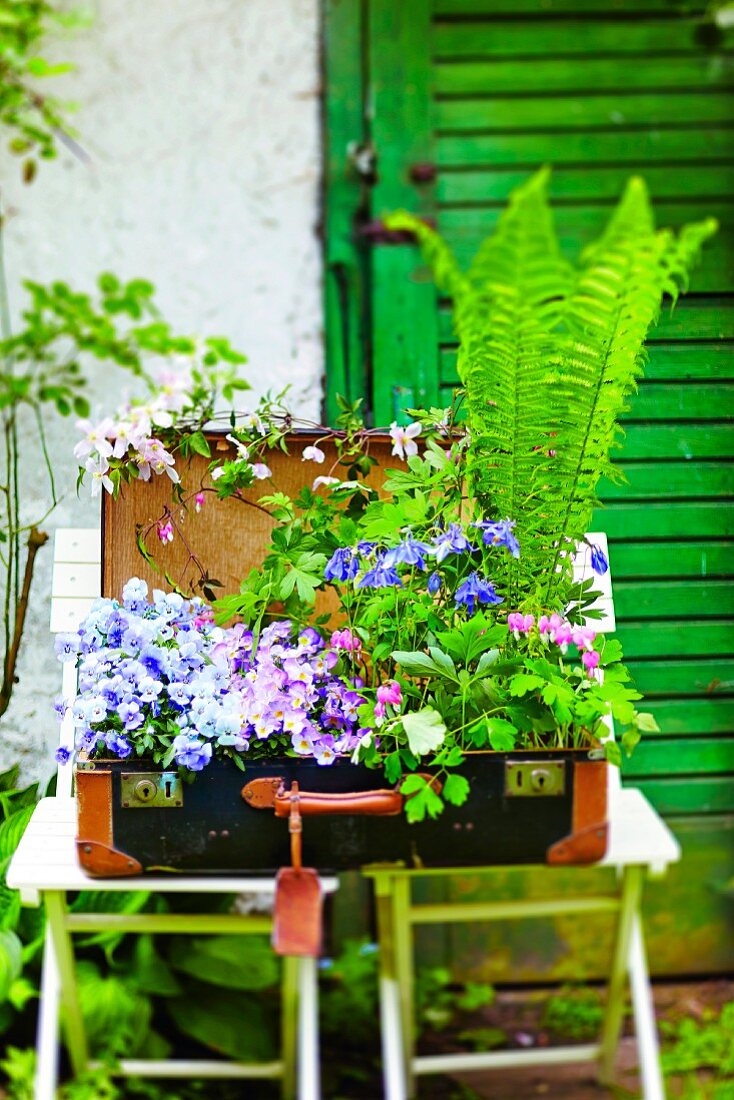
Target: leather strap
{"x":314,"y":803}
{"x":271,"y":793}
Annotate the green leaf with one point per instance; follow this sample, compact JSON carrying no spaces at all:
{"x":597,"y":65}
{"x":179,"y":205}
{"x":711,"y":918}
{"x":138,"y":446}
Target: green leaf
{"x":199,"y":443}
{"x":415,"y":663}
{"x":425,"y":730}
{"x":443,"y":662}
{"x":523,"y":683}
{"x":234,"y":1024}
{"x":11,"y":961}
{"x":235,"y":962}
{"x":12,"y":830}
{"x":149,"y":972}
{"x":393,"y":767}
{"x":423,"y":799}
{"x":612,"y":753}
{"x":502,"y":735}
{"x":456,"y":789}
{"x":115,"y":1015}
{"x":646,"y":723}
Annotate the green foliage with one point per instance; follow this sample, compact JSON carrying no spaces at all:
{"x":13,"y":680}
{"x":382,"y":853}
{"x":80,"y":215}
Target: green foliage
{"x":440,"y":1001}
{"x":42,"y":372}
{"x":701,"y":1052}
{"x":575,"y":1012}
{"x":19,"y":1067}
{"x":549,"y":354}
{"x":35,"y":121}
{"x":236,"y":962}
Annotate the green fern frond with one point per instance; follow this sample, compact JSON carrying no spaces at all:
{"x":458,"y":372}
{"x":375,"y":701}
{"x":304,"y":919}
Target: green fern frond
{"x":617,"y":298}
{"x":447,"y":274}
{"x":549,"y":357}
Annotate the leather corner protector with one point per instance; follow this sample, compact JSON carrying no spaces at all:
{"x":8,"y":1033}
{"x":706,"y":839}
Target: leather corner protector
{"x":102,"y":861}
{"x":585,"y":846}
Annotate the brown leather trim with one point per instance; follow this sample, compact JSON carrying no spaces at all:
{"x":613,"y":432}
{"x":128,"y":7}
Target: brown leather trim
{"x":588,"y":840}
{"x":94,"y":804}
{"x":589,"y":793}
{"x":103,"y":861}
{"x":587,"y":846}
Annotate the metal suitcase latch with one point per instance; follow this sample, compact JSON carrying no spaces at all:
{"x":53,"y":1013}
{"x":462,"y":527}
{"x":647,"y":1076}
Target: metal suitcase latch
{"x":534,"y":778}
{"x":141,"y":790}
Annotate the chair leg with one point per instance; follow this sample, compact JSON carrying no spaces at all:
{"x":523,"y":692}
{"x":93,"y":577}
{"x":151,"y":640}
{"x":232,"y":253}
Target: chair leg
{"x":403,"y":947}
{"x":391,"y":1027}
{"x":47,"y":1037}
{"x":631,"y":893}
{"x":651,"y":1077}
{"x":309,"y":1082}
{"x":63,"y":951}
{"x":289,"y":1026}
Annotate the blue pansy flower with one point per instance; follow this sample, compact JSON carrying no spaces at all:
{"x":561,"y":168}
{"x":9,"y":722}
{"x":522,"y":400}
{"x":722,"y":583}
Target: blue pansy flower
{"x":453,"y":541}
{"x":67,"y":647}
{"x":475,"y":589}
{"x":499,"y":533}
{"x":117,"y":744}
{"x":191,"y":753}
{"x":342,"y":565}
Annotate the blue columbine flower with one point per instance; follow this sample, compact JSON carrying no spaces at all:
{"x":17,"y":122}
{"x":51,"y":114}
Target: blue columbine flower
{"x":453,"y":541}
{"x":408,"y":552}
{"x":342,"y":565}
{"x":599,"y":561}
{"x":381,"y":576}
{"x":434,"y":583}
{"x":499,"y":533}
{"x":476,"y":589}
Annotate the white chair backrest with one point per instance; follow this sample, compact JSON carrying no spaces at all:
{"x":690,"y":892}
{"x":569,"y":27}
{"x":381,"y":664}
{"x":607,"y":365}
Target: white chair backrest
{"x":77,"y":579}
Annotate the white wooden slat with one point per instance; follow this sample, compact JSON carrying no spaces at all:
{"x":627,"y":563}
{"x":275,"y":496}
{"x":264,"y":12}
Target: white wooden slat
{"x":67,"y":613}
{"x":46,"y":860}
{"x":46,"y":856}
{"x":76,"y":580}
{"x":78,"y":544}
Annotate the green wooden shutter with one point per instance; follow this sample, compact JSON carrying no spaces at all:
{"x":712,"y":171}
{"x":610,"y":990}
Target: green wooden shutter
{"x":486,"y":91}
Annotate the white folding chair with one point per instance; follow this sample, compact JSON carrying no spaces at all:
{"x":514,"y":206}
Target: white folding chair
{"x":640,"y":844}
{"x":45,"y":870}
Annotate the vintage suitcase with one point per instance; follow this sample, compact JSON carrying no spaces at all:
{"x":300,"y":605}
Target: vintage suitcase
{"x":133,"y":818}
{"x":523,"y":808}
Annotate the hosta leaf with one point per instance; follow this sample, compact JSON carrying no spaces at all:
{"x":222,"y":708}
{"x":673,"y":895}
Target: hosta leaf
{"x":11,"y":961}
{"x":237,"y":962}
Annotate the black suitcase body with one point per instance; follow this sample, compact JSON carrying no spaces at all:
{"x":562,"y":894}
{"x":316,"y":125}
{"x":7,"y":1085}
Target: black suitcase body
{"x":522,"y":808}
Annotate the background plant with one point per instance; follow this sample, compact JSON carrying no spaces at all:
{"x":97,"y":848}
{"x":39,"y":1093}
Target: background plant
{"x":35,"y":122}
{"x":549,"y":354}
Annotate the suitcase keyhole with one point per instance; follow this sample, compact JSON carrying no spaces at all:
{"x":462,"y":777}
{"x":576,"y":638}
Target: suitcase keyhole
{"x":168,"y":788}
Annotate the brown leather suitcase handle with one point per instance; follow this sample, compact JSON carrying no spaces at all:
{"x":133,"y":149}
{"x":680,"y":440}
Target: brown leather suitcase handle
{"x":381,"y":803}
{"x":271,"y":793}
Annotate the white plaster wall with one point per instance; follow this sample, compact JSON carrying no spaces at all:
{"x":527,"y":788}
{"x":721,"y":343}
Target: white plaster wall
{"x":200,"y":119}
